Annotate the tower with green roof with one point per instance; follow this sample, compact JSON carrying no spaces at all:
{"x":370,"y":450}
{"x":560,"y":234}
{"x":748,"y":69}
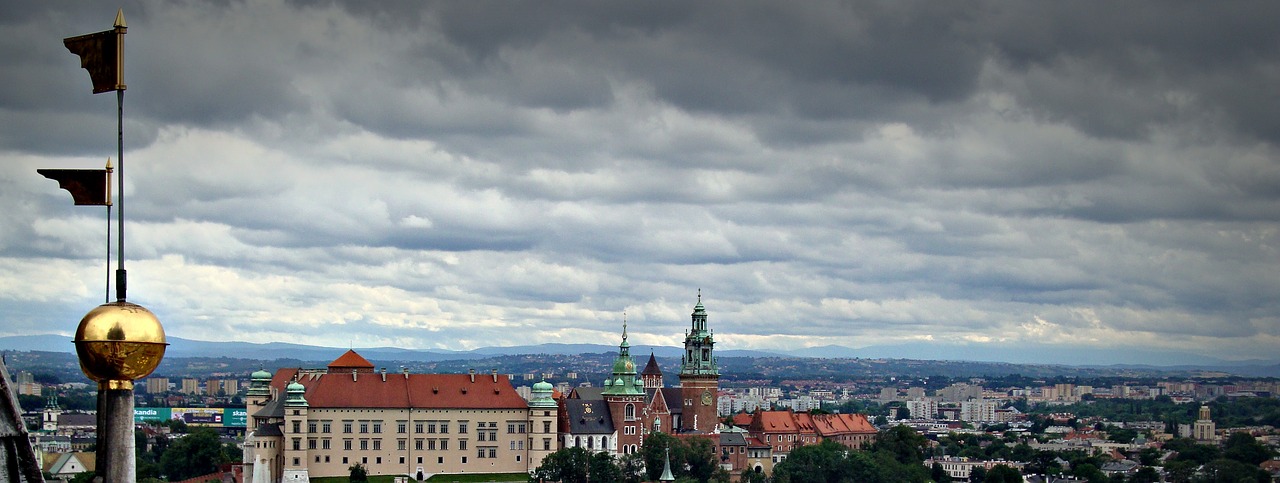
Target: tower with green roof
{"x":624,"y":393}
{"x":699,"y":375}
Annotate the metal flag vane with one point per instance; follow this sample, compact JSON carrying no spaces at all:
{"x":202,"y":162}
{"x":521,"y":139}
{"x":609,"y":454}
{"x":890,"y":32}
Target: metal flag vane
{"x":117,"y":342}
{"x":102,"y":54}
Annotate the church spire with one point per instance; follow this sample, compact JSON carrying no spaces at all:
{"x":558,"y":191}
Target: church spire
{"x":624,"y":381}
{"x":699,"y":356}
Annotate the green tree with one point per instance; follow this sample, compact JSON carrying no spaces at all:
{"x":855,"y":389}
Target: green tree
{"x":1244,"y":448}
{"x":1179,"y":471}
{"x":1145,"y":474}
{"x":978,"y":474}
{"x":358,"y":474}
{"x":1022,"y":452}
{"x":700,"y":459}
{"x":568,"y":465}
{"x":751,"y":476}
{"x":83,"y":477}
{"x":197,"y":453}
{"x":1003,"y":474}
{"x":816,"y":463}
{"x":1189,"y":450}
{"x":938,"y":473}
{"x":632,"y":468}
{"x":659,"y":448}
{"x":903,"y":443}
{"x":1231,"y":471}
{"x":603,"y":469}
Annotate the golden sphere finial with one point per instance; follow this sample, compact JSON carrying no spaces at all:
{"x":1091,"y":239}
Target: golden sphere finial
{"x":119,"y":342}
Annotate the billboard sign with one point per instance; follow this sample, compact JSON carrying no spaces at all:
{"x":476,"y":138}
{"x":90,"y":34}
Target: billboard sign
{"x":198,"y":416}
{"x":150,"y":415}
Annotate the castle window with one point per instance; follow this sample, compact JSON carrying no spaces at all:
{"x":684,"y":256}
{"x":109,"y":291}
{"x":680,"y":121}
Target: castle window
{"x":402,"y":427}
{"x":377,"y":426}
{"x":324,"y":427}
{"x":631,"y":412}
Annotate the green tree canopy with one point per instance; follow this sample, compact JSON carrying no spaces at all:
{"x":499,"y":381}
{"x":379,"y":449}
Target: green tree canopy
{"x":1246,"y":449}
{"x":358,"y":474}
{"x":1231,"y":471}
{"x":1003,"y":474}
{"x":198,"y":453}
{"x":692,"y":457}
{"x":903,"y":443}
{"x":568,"y":465}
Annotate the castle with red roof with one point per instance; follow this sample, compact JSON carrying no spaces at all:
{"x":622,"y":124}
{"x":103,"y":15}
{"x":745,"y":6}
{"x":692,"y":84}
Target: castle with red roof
{"x":315,"y":423}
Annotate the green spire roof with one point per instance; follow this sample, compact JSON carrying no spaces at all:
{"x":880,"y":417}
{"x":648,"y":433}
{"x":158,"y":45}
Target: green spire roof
{"x":624,"y":381}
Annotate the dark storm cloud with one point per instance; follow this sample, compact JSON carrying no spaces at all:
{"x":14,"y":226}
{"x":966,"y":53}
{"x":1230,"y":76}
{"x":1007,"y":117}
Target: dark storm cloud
{"x":418,"y":172}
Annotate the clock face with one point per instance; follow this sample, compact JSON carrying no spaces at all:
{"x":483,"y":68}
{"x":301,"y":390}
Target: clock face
{"x":706,"y":398}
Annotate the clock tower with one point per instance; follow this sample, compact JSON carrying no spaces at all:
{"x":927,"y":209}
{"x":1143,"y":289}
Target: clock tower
{"x":699,"y":376}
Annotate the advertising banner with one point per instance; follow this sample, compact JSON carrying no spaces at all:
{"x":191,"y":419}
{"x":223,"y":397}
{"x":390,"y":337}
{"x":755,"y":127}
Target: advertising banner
{"x":198,"y":416}
{"x":150,"y":415}
{"x":235,"y":418}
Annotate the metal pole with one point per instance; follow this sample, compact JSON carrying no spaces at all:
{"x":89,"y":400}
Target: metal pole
{"x":120,"y":272}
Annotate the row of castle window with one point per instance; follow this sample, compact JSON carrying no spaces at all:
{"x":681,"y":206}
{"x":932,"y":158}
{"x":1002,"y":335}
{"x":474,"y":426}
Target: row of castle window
{"x":419,"y":427}
{"x":482,"y":451}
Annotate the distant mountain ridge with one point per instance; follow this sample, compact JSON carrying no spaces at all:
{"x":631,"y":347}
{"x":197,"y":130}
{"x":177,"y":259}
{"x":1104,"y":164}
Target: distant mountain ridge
{"x":1016,"y":354}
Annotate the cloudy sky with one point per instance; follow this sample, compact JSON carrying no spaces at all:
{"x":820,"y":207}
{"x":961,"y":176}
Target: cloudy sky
{"x":467,"y":174}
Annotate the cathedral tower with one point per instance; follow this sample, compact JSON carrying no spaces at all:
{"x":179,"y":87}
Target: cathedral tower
{"x":699,"y":376}
{"x":624,"y":393}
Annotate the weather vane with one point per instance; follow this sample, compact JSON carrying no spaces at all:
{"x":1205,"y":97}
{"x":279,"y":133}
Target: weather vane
{"x":117,"y":342}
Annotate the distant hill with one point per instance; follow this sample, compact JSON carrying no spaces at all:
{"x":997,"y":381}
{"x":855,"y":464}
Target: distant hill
{"x":1015,"y":354}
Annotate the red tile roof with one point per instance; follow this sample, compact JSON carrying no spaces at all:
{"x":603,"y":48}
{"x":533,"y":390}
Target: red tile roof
{"x":840,"y":424}
{"x":742,"y":420}
{"x":437,"y":391}
{"x":348,"y":361}
{"x":776,"y":421}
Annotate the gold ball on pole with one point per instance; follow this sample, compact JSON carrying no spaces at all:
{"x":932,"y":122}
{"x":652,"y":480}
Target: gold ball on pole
{"x":118,"y":343}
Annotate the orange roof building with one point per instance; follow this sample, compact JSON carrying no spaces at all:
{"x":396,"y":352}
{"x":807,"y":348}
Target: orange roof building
{"x":317,"y":423}
{"x":783,"y":431}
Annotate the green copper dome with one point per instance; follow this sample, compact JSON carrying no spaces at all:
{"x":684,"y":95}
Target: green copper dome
{"x":295,"y":391}
{"x":624,"y":381}
{"x":541,"y":395}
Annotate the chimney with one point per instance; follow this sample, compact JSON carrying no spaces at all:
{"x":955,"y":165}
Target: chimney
{"x":406,"y":372}
{"x":495,"y":375}
{"x":353,"y":375}
{"x":473,"y":375}
{"x":384,"y":374}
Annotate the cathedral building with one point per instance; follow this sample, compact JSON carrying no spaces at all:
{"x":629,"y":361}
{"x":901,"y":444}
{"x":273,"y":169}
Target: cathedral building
{"x":632,"y":404}
{"x":316,"y":423}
